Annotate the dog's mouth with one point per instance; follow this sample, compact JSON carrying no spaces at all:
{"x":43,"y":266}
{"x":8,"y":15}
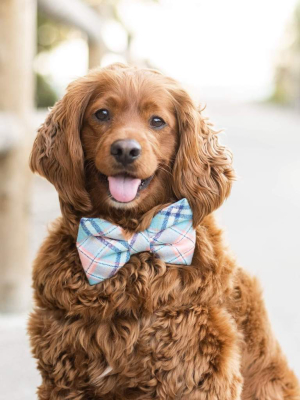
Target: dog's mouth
{"x":124,"y":188}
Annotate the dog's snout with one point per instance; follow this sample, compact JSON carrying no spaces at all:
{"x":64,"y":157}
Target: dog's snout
{"x":126,"y":151}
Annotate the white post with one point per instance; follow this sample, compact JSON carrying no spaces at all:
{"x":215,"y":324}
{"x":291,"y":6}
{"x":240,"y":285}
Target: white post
{"x":17,"y":47}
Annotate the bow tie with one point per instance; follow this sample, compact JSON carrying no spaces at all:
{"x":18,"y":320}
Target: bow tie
{"x":103,"y":249}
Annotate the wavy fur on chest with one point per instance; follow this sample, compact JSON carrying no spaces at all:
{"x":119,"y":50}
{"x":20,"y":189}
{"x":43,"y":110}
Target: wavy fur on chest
{"x":154,"y":331}
{"x":162,"y":329}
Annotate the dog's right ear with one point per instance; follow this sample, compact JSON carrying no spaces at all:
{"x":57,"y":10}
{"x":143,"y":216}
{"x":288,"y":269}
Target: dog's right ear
{"x":57,"y":152}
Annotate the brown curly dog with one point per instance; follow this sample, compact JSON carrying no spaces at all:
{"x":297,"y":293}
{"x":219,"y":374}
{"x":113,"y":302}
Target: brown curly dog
{"x":153,"y":330}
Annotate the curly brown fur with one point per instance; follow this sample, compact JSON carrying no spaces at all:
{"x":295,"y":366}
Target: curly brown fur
{"x":152,"y":331}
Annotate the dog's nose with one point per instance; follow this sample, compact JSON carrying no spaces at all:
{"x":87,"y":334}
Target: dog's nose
{"x":125,"y":151}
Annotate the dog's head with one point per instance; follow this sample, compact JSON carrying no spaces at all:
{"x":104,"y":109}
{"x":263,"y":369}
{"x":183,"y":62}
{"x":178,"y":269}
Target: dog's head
{"x":124,"y":140}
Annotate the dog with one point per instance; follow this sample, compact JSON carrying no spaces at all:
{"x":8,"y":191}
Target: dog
{"x":122,"y":146}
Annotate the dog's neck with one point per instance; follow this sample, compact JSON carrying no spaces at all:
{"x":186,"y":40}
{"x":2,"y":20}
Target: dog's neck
{"x":131,"y":221}
{"x":210,"y":264}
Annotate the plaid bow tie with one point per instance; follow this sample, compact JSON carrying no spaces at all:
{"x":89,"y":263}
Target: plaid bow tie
{"x":103,"y":249}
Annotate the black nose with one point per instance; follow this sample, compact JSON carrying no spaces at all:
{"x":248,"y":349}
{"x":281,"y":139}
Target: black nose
{"x":125,"y":151}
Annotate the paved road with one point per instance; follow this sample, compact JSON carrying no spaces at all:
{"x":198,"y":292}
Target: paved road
{"x":262,"y":219}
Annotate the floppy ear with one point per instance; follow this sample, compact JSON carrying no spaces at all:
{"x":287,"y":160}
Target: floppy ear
{"x":202,"y":171}
{"x":57,"y":152}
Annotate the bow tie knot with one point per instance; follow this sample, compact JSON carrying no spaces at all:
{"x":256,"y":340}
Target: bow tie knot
{"x":103,"y":248}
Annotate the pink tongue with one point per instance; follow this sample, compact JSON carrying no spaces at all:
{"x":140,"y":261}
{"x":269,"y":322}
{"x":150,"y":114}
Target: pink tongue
{"x":123,"y":188}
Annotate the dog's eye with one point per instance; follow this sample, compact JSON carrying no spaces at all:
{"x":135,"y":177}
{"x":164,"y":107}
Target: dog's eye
{"x":102,"y":115}
{"x":157,"y":122}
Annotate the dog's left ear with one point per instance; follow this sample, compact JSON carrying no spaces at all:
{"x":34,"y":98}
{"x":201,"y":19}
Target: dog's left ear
{"x":202,"y":171}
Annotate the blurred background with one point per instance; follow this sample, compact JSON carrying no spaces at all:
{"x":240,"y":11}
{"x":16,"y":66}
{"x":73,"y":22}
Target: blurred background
{"x":241,"y":59}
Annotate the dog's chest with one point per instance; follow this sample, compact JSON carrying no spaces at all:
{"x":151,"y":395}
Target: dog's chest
{"x":154,"y":333}
{"x":158,"y":348}
{"x":148,"y":330}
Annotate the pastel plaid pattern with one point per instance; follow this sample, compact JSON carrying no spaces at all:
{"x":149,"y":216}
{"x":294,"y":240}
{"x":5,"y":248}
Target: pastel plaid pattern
{"x":103,"y":250}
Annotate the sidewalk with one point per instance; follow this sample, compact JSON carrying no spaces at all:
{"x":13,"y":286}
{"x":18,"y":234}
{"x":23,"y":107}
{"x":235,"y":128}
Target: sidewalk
{"x":18,"y":375}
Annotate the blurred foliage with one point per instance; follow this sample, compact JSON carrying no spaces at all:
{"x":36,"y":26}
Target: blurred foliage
{"x":279,"y":95}
{"x":287,"y":75}
{"x":49,"y":35}
{"x":45,"y":95}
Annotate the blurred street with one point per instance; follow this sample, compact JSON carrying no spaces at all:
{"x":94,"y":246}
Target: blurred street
{"x":261,"y":220}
